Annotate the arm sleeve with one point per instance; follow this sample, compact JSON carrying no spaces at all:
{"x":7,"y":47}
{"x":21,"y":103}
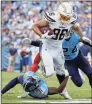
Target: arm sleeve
{"x":10,"y":85}
{"x":36,"y":43}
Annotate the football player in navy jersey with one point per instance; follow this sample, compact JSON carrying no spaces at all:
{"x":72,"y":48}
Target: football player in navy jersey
{"x":35,"y":86}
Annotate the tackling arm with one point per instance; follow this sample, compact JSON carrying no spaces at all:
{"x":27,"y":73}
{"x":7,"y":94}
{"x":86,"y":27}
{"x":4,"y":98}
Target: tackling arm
{"x":83,"y":39}
{"x":36,"y":43}
{"x":77,"y":29}
{"x":54,"y":90}
{"x":10,"y":85}
{"x":86,"y":41}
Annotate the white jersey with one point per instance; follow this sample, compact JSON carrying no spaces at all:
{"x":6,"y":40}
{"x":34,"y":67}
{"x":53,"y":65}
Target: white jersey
{"x":59,"y":28}
{"x":51,"y":51}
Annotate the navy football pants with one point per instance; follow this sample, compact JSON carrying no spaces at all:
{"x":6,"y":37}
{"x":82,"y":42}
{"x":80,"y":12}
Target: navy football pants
{"x":79,"y":62}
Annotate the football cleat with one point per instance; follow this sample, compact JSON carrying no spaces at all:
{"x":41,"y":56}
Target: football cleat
{"x":65,"y":94}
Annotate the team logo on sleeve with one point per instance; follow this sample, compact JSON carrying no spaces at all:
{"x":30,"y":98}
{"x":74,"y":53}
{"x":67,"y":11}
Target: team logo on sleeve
{"x":49,"y":18}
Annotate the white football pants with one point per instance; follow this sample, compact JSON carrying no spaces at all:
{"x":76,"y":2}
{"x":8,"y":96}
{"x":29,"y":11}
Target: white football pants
{"x":53,"y":60}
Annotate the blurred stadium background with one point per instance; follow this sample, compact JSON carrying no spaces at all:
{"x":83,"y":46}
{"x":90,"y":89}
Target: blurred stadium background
{"x":17,"y":18}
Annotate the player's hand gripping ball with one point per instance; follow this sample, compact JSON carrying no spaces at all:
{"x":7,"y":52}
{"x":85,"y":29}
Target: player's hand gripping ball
{"x":51,"y":32}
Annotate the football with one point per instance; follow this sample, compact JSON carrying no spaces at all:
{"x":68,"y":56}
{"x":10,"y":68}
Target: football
{"x":51,"y":32}
{"x":45,"y":29}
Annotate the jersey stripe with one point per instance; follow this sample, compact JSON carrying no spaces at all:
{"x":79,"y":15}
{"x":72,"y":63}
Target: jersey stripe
{"x":73,"y":22}
{"x":76,"y":19}
{"x":49,"y":18}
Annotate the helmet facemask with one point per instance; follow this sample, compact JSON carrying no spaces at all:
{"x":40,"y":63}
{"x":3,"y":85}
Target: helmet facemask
{"x":64,"y":19}
{"x":65,"y":11}
{"x":30,"y":84}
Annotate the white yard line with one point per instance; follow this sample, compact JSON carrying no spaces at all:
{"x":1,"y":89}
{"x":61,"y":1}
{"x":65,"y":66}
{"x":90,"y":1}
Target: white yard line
{"x":80,"y":89}
{"x":59,"y":101}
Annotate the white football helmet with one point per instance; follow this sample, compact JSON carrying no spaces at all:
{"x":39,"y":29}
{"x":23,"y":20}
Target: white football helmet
{"x":66,"y":12}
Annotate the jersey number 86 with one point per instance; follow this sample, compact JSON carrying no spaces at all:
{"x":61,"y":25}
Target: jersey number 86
{"x":59,"y":34}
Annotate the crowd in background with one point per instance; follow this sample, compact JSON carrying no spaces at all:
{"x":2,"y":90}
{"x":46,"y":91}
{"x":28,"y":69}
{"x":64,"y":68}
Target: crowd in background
{"x":18,"y":17}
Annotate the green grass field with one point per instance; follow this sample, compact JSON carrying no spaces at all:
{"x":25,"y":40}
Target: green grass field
{"x":83,"y":92}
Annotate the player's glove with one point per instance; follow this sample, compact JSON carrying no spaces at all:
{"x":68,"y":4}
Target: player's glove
{"x":46,"y":36}
{"x":23,"y":95}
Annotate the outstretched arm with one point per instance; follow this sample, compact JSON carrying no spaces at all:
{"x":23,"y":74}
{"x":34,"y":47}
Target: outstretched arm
{"x":83,"y":39}
{"x":86,"y":41}
{"x":78,"y":30}
{"x":35,"y":43}
{"x":54,"y":90}
{"x":10,"y":85}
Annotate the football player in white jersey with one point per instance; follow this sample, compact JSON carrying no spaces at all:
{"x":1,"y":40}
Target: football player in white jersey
{"x":51,"y":52}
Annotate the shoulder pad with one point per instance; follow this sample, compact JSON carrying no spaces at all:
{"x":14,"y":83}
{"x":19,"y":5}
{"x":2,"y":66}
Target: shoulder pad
{"x":74,"y":19}
{"x":49,"y":16}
